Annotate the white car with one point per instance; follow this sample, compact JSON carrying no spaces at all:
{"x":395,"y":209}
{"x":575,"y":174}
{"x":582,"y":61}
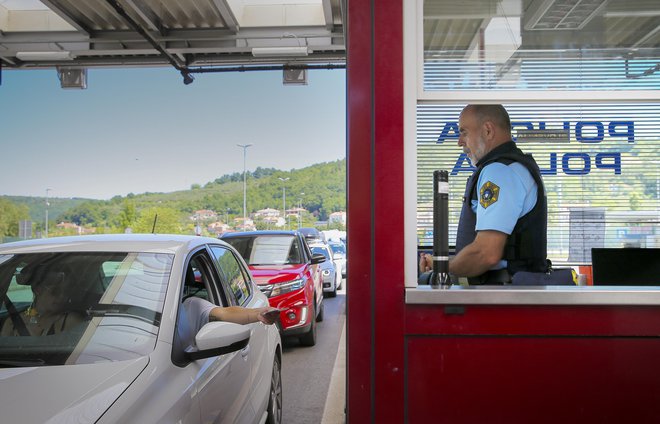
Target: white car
{"x":111,"y":342}
{"x":330,"y":270}
{"x":339,"y":255}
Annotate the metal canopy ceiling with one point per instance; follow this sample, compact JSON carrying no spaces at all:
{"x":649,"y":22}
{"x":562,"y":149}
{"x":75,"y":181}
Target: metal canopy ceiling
{"x":455,"y":27}
{"x":181,"y":33}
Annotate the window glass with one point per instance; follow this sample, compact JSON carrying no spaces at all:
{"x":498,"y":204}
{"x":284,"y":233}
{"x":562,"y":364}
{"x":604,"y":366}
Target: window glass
{"x":568,"y":74}
{"x":601,"y":171}
{"x":195,"y":283}
{"x":115,"y":299}
{"x":321,"y":250}
{"x":268,"y":249}
{"x":233,"y":274}
{"x":540,"y":45}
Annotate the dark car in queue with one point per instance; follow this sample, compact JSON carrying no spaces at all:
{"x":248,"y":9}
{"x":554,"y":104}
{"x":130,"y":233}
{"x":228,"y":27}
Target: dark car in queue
{"x":286,"y":271}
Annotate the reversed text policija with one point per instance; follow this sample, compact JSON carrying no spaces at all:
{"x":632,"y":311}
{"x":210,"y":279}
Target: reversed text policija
{"x":572,"y":163}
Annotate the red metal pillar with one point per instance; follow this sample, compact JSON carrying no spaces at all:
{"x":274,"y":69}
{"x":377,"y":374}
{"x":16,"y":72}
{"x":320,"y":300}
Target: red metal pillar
{"x":375,"y":331}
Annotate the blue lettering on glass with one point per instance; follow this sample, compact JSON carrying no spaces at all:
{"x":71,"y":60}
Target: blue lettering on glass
{"x":571,"y":163}
{"x":458,"y":166}
{"x":615,"y":164}
{"x":447,"y":132}
{"x":600,"y":132}
{"x":630,"y":130}
{"x":614,"y":129}
{"x":567,"y":169}
{"x":553,"y":166}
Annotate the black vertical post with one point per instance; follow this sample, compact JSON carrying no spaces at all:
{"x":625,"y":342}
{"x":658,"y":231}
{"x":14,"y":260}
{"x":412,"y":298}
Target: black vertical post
{"x":440,"y":276}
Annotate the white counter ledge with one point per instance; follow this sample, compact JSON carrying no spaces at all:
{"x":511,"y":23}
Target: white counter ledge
{"x":535,"y":295}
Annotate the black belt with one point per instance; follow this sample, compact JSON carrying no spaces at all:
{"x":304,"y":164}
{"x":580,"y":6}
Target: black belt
{"x":498,"y":276}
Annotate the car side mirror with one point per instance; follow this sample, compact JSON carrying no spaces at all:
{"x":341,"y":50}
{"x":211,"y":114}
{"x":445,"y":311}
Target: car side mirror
{"x":219,"y":338}
{"x":317,"y":258}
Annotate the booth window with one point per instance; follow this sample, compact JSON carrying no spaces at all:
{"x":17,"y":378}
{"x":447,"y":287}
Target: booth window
{"x":582,"y":89}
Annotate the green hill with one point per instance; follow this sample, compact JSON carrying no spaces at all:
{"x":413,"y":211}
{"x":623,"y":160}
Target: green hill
{"x":320,"y":188}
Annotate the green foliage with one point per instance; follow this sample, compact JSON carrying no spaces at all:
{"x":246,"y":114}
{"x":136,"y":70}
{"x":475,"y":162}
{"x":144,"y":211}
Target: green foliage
{"x":320,"y":188}
{"x":159,"y":220}
{"x":10,"y":214}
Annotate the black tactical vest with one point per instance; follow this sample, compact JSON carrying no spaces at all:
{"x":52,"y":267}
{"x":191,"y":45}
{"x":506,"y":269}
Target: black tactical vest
{"x":526,"y":246}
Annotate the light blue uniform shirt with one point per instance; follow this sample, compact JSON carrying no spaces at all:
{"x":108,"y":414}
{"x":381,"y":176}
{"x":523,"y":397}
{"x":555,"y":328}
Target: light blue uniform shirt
{"x":505,"y":193}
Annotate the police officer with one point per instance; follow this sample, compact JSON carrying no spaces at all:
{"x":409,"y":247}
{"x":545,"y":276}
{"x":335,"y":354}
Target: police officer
{"x":502,"y":227}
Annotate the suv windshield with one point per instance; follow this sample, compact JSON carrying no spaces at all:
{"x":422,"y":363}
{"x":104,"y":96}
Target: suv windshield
{"x":268,"y":249}
{"x":80,"y":307}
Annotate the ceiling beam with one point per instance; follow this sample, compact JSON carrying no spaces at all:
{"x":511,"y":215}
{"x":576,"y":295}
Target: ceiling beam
{"x":172,"y":35}
{"x":146,"y":14}
{"x":227,"y":15}
{"x":327,"y":14}
{"x":64,"y":14}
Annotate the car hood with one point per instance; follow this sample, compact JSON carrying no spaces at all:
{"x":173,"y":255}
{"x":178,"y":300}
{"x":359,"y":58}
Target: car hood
{"x":66,"y":393}
{"x":271,"y":274}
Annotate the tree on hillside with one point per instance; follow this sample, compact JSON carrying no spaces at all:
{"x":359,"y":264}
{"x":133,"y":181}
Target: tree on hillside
{"x":10,"y":214}
{"x":167,"y":221}
{"x":128,"y":214}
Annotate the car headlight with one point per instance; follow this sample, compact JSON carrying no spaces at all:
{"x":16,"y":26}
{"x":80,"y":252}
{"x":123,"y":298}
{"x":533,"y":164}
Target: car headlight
{"x":326,"y":272}
{"x":286,"y":287}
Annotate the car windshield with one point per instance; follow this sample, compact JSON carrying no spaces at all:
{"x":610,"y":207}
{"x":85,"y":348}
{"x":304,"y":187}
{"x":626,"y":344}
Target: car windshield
{"x":338,"y":248}
{"x":321,"y":250}
{"x":80,"y":307}
{"x":268,"y":249}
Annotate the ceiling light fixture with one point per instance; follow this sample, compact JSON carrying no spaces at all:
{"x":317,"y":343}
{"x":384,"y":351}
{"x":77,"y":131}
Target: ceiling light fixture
{"x":280,"y":51}
{"x":48,"y":55}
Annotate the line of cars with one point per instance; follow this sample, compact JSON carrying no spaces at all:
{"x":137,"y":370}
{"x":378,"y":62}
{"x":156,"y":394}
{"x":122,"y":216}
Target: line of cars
{"x":106,"y":315}
{"x":95,"y":329}
{"x":295,"y":269}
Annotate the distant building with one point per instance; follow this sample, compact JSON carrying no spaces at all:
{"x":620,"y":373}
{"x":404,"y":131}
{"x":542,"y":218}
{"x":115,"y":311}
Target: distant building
{"x":218,"y":228}
{"x":70,"y":227}
{"x":204,"y":215}
{"x":267,"y":213}
{"x":337,"y":217}
{"x":244,"y":225}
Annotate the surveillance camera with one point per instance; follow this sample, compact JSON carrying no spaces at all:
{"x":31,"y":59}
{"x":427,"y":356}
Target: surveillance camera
{"x":187,"y":77}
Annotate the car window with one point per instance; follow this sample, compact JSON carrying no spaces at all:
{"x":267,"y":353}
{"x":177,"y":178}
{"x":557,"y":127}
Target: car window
{"x":321,"y":250}
{"x":233,"y":274}
{"x":50,"y":300}
{"x":338,"y":248}
{"x":194,"y":282}
{"x":268,"y":249}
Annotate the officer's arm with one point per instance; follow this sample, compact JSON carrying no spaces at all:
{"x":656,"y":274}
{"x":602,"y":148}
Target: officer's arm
{"x":479,"y":256}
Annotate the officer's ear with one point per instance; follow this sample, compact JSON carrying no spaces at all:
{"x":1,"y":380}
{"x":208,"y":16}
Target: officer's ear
{"x":489,"y":129}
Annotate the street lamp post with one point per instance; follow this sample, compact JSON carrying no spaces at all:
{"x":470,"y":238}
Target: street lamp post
{"x":244,"y":146}
{"x":300,"y":210}
{"x":284,"y":180}
{"x":47,"y":205}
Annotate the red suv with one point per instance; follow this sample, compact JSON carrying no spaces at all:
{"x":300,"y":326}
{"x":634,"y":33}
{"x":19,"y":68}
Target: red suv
{"x":285,"y":270}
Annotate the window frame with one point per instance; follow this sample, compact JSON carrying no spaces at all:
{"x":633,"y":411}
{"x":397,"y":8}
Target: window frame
{"x":414,"y":95}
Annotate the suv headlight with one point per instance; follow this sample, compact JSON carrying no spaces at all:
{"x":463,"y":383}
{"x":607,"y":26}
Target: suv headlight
{"x":286,"y":287}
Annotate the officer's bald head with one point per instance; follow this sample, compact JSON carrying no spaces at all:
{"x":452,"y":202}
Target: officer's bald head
{"x":493,"y":113}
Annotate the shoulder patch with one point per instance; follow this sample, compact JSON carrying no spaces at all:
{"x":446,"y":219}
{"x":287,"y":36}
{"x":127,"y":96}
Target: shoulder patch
{"x":488,"y":194}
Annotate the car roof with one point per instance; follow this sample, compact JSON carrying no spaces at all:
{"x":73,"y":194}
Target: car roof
{"x":318,"y":245}
{"x":155,"y":243}
{"x":259,"y":233}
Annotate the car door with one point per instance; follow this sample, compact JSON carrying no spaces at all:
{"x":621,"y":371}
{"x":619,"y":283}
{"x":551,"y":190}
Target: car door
{"x":223,"y":382}
{"x":238,"y":285}
{"x":315,"y":271}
